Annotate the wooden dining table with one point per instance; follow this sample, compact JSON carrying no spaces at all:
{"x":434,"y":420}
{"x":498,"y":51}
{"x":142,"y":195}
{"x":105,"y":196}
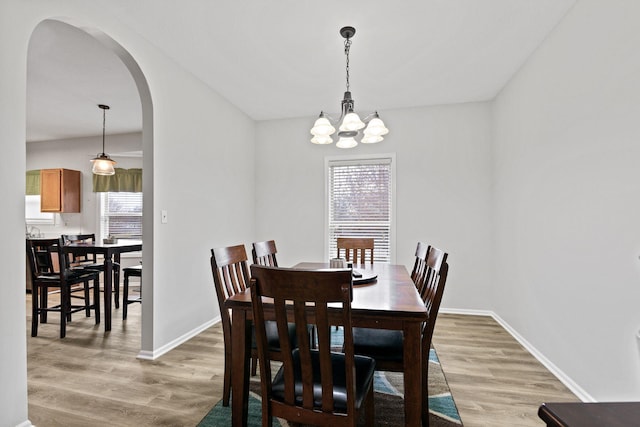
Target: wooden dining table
{"x":111,"y":253}
{"x":388,"y":302}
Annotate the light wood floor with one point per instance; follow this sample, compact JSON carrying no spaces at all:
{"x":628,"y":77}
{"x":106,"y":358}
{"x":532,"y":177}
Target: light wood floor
{"x":493,"y":379}
{"x":94,"y":379}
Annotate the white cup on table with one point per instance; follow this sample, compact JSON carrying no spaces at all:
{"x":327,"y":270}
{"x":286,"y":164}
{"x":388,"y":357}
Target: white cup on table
{"x":337,"y":263}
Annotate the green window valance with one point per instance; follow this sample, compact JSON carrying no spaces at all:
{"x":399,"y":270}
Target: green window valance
{"x":33,"y":183}
{"x":124,"y":180}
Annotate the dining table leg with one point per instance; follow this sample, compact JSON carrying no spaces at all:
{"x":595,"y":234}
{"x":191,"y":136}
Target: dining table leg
{"x":412,"y":374}
{"x":240,"y":343}
{"x":108,"y":289}
{"x":116,"y":279}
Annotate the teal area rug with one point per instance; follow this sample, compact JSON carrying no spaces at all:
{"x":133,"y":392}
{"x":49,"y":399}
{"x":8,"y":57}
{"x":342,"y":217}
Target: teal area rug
{"x":389,"y":403}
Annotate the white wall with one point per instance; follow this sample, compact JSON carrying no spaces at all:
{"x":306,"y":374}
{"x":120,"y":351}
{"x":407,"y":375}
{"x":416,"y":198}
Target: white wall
{"x":566,"y":156}
{"x":442,"y":191}
{"x":13,"y":352}
{"x":204,"y":180}
{"x":76,"y":154}
{"x":203,"y":177}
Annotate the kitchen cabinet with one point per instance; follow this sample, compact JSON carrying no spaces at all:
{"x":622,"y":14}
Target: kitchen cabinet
{"x":60,"y":190}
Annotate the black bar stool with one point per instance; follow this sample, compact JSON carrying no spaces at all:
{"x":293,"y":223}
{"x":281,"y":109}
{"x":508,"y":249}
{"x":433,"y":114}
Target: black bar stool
{"x":135,"y":271}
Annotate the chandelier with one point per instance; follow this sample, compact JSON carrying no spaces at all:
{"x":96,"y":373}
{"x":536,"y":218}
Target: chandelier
{"x":102,"y":163}
{"x":350,"y":124}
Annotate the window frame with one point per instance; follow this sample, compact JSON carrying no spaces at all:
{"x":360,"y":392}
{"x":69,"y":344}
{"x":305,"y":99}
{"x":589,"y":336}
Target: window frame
{"x":357,"y":159}
{"x":101,"y":208}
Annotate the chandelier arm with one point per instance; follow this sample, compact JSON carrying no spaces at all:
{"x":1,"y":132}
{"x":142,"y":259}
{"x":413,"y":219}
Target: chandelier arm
{"x":329,"y":117}
{"x":370,"y":117}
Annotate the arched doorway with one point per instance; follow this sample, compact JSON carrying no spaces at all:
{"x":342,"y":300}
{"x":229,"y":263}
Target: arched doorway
{"x":142,"y":92}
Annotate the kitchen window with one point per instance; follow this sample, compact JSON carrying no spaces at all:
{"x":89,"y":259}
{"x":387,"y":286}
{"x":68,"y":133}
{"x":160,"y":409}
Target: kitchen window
{"x":121,"y":215}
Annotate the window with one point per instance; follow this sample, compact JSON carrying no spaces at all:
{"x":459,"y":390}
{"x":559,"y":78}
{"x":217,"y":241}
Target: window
{"x":33,"y":214}
{"x":360,"y":202}
{"x":121,"y":215}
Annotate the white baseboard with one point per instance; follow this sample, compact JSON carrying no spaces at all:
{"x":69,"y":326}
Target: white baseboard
{"x":466,"y":311}
{"x":153,"y":355}
{"x":557,"y":372}
{"x":25,"y":424}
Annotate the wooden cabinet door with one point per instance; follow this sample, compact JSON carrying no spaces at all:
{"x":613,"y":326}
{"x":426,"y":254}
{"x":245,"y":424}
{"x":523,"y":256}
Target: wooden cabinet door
{"x":51,"y":190}
{"x":60,"y":190}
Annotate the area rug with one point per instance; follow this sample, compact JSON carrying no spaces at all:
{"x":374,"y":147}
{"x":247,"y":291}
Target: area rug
{"x":388,"y":398}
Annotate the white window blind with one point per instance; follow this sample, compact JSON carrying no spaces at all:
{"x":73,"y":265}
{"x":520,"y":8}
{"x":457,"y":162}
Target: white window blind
{"x":33,"y":214}
{"x":121,"y":215}
{"x":360,"y":203}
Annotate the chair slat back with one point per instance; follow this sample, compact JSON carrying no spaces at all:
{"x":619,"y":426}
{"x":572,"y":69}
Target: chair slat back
{"x":264,"y":253}
{"x":431,"y":287}
{"x":355,"y":248}
{"x":78,"y":259}
{"x":322,"y":298}
{"x":230,"y":275}
{"x":420,"y":264}
{"x":44,"y":256}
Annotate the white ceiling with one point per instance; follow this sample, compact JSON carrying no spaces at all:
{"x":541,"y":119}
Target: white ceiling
{"x":286,"y":59}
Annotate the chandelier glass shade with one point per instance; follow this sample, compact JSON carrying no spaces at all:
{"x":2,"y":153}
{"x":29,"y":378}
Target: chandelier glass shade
{"x":350,"y":126}
{"x":102,"y":163}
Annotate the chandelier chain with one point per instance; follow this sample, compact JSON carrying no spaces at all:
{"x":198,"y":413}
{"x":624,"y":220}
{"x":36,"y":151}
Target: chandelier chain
{"x":347,"y":46}
{"x":104,"y":121}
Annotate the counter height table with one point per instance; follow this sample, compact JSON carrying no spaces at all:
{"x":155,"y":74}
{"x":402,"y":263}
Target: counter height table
{"x":111,"y":252}
{"x":390,"y":302}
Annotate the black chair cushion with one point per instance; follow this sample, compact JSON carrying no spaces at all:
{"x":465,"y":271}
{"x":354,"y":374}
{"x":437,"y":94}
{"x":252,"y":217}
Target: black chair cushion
{"x":381,"y":344}
{"x":78,"y":275}
{"x":97,"y":266}
{"x":72,"y":276}
{"x":365,"y":367}
{"x":135,"y":271}
{"x":272,"y":336}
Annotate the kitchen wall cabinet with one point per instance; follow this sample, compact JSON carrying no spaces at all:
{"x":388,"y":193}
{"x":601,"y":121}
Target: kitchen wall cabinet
{"x":60,"y":190}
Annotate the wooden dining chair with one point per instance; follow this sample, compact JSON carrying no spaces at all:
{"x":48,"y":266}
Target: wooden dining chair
{"x":47,"y":261}
{"x":49,"y":271}
{"x":230,"y":276}
{"x":313,"y":385}
{"x":230,"y":271}
{"x":355,"y":248}
{"x":420,"y":263}
{"x":386,"y":346}
{"x":264,"y":253}
{"x":89,"y":261}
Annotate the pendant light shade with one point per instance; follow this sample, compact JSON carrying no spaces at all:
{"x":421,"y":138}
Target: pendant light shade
{"x":346,"y":142}
{"x":351,"y":122}
{"x":102,"y":163}
{"x":322,"y":127}
{"x":376,"y":127}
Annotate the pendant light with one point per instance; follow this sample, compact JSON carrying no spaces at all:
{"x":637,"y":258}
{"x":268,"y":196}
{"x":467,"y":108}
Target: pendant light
{"x":102,"y":163}
{"x":350,"y":124}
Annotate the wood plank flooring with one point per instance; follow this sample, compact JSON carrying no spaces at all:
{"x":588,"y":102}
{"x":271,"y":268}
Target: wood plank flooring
{"x":94,"y":379}
{"x":493,"y":379}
